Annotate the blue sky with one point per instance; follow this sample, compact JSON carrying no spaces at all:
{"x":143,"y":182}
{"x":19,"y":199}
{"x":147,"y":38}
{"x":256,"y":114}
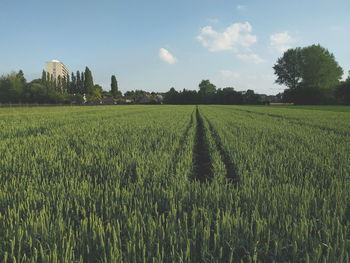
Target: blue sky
{"x":157,"y":44}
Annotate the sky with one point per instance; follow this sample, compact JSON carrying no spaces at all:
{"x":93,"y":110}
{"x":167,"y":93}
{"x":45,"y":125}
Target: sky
{"x":158,"y":44}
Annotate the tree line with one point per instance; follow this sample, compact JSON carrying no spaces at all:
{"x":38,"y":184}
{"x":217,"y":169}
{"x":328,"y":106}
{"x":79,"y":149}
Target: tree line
{"x":209,"y":94}
{"x":311,"y":75}
{"x":77,"y":88}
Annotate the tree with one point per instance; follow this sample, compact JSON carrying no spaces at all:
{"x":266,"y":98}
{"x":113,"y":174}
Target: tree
{"x":311,"y":74}
{"x":78,"y":86}
{"x":72,"y":84}
{"x":228,"y":96}
{"x":48,"y":77}
{"x":12,"y":87}
{"x":205,"y":87}
{"x":319,"y":68}
{"x":89,"y":82}
{"x":251,"y":98}
{"x":114,"y":87}
{"x":82,"y":86}
{"x":59,"y":84}
{"x":342,"y":92}
{"x":206,"y":91}
{"x":43,"y":76}
{"x":171,"y":97}
{"x":96,"y":93}
{"x":288,"y":68}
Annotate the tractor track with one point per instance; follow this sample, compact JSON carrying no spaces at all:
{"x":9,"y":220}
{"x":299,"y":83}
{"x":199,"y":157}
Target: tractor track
{"x":202,"y":163}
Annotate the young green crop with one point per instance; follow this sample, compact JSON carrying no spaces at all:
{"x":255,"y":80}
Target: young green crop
{"x":117,"y":184}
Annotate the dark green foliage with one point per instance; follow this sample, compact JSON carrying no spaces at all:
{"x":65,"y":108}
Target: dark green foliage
{"x":342,"y":92}
{"x":289,"y":69}
{"x":206,"y":87}
{"x":88,"y":81}
{"x":43,"y":76}
{"x":319,"y":68}
{"x":114,"y":87}
{"x":206,"y":91}
{"x":208,"y":94}
{"x":311,"y":74}
{"x":228,"y":96}
{"x":251,"y":98}
{"x":12,"y":87}
{"x":172,"y":97}
{"x":15,"y":89}
{"x":135,"y":94}
{"x":78,"y":86}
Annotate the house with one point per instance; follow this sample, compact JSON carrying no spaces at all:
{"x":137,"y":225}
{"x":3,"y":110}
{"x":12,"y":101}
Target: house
{"x":108,"y":101}
{"x":145,"y":100}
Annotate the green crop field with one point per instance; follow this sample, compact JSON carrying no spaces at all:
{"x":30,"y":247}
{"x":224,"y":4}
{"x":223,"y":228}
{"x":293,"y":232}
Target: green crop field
{"x":175,"y":184}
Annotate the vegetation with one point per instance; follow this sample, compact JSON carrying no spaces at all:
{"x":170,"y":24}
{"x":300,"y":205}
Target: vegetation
{"x":311,"y":74}
{"x":342,"y":92}
{"x":79,"y":88}
{"x":114,"y":87}
{"x":125,"y":185}
{"x":209,"y":94}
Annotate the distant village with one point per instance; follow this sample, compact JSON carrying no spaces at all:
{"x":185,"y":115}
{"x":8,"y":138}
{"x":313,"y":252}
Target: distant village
{"x":146,"y":98}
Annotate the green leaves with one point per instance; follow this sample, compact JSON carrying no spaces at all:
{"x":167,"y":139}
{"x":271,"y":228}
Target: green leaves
{"x":311,"y":73}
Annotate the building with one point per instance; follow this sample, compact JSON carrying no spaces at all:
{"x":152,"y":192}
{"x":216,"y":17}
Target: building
{"x":107,"y":101}
{"x":56,"y":69}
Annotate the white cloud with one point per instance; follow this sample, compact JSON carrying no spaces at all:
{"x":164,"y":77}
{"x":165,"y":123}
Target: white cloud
{"x":240,"y":7}
{"x":166,"y":56}
{"x":254,"y":58}
{"x":281,"y":41}
{"x":234,"y":37}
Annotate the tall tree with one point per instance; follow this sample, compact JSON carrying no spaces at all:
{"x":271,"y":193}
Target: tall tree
{"x":20,"y":76}
{"x":82,"y":83}
{"x":114,"y":86}
{"x":288,"y":68}
{"x":72,"y":84}
{"x":171,"y":97}
{"x":43,"y":76}
{"x":206,"y":91}
{"x":78,"y":83}
{"x":48,"y":77}
{"x":59,"y":85}
{"x":89,"y":82}
{"x":311,"y":73}
{"x":206,"y":87}
{"x":319,"y":68}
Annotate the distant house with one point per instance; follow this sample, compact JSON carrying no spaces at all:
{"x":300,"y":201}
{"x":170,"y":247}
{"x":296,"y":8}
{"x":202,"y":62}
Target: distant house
{"x":124,"y":100}
{"x":108,"y":101}
{"x":129,"y":101}
{"x":145,"y":100}
{"x":268,"y":98}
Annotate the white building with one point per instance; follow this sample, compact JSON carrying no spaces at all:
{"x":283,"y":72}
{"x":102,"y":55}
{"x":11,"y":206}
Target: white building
{"x":57,"y":68}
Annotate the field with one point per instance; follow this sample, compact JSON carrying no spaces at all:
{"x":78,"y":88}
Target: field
{"x":175,"y":184}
